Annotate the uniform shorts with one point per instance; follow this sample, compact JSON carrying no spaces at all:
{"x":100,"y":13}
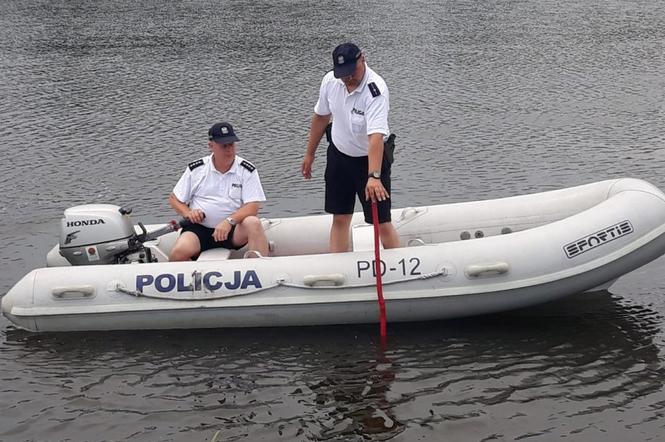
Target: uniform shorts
{"x":346,"y":177}
{"x":206,"y":240}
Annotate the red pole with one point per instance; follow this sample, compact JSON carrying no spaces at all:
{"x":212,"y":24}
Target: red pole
{"x":377,"y":270}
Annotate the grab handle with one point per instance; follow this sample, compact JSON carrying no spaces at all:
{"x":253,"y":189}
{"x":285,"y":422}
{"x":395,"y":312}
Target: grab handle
{"x":497,"y":268}
{"x":332,"y":279}
{"x":74,"y":292}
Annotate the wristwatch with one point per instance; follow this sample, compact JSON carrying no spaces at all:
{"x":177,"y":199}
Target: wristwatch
{"x":374,"y":174}
{"x":232,"y":221}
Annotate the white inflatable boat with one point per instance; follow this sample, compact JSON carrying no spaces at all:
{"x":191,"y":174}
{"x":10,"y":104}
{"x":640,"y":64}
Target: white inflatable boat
{"x":456,"y":260}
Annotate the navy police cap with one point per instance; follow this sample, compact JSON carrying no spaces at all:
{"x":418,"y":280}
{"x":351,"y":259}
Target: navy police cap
{"x":345,"y":58}
{"x":222,"y":133}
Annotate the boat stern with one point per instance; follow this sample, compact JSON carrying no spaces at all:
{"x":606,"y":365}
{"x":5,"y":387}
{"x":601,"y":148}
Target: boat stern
{"x":16,"y":303}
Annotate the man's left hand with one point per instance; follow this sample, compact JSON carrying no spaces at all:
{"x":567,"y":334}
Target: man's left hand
{"x":222,"y":230}
{"x":375,"y":191}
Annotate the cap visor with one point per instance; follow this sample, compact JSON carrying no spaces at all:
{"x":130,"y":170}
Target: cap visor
{"x":226,"y":140}
{"x":344,"y":70}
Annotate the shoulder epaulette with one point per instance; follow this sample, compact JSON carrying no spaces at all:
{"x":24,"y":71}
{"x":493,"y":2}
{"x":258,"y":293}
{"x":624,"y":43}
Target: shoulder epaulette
{"x":247,"y":165}
{"x":194,"y":164}
{"x":373,"y":89}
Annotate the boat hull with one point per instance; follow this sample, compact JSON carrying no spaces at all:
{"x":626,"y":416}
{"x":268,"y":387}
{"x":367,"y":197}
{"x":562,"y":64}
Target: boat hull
{"x":453,"y":279}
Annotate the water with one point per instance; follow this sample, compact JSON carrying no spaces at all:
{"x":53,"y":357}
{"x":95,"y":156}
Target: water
{"x":108,"y":101}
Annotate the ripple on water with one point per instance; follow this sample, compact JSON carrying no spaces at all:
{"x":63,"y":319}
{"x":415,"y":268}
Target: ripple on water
{"x":108,"y":101}
{"x":559,"y":369}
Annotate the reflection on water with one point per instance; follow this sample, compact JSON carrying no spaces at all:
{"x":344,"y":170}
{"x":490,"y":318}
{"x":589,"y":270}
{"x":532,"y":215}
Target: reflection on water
{"x":561,"y":368}
{"x":356,"y":394}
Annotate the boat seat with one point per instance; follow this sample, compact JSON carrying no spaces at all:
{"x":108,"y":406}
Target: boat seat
{"x":218,"y":254}
{"x":363,"y":237}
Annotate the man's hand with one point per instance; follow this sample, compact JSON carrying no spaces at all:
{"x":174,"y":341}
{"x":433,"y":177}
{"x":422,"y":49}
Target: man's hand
{"x":306,"y":167}
{"x":222,"y":230}
{"x":316,"y":131}
{"x":375,"y":191}
{"x":196,"y":216}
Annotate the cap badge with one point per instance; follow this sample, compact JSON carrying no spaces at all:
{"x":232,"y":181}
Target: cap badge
{"x":225,"y":130}
{"x":340,"y":59}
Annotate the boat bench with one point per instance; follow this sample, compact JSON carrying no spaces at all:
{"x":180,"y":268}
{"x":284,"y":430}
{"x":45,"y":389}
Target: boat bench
{"x":218,"y":254}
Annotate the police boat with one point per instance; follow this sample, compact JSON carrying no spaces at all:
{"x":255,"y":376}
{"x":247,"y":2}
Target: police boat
{"x":455,"y":260}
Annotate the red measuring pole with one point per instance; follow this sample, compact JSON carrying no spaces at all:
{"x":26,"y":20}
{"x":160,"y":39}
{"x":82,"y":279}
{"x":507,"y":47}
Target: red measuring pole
{"x":377,"y":270}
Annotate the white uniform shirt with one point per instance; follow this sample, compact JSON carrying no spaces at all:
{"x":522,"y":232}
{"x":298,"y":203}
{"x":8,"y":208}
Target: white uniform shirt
{"x":357,"y":114}
{"x":218,"y":194}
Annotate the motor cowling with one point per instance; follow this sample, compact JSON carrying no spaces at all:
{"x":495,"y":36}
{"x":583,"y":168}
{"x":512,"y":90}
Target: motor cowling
{"x":93,"y":234}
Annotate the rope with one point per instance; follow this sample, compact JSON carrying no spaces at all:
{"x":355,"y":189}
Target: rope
{"x":135,"y":293}
{"x":377,"y":271}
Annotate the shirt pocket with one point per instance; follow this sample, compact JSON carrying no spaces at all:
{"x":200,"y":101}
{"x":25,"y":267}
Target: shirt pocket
{"x":358,"y":124}
{"x":235,"y":192}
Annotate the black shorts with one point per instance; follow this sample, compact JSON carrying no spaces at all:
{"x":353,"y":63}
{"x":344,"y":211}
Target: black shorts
{"x":206,"y":240}
{"x":346,"y":177}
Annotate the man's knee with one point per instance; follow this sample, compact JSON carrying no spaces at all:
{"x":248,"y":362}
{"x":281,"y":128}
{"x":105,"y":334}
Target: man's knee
{"x":182,"y":253}
{"x":252,"y":224}
{"x":178,"y":255}
{"x":185,"y":247}
{"x":341,"y":221}
{"x":387,"y":226}
{"x":250,"y":229}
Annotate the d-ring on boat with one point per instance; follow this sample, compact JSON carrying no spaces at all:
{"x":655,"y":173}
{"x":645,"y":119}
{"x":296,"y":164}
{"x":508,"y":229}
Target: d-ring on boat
{"x":456,"y":260}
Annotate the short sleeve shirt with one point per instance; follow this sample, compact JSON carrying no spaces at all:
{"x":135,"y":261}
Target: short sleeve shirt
{"x":357,"y":114}
{"x":218,"y":194}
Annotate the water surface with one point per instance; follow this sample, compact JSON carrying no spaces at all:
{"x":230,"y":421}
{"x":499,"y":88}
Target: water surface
{"x":106,"y":102}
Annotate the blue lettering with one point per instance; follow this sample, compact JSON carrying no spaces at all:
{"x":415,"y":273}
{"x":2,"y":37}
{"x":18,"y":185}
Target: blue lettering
{"x":181,"y":283}
{"x":211,"y":281}
{"x":197,"y":281}
{"x":170,"y":283}
{"x":142,"y":281}
{"x":236,"y":281}
{"x":251,"y":278}
{"x":209,"y":284}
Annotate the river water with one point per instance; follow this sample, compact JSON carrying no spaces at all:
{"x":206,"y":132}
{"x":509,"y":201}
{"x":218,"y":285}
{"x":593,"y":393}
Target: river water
{"x":108,"y":101}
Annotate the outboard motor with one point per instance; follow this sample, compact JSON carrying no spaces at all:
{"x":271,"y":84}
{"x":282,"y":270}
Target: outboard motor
{"x":94,"y":234}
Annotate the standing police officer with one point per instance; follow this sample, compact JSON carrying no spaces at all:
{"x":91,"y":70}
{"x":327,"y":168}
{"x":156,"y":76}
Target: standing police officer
{"x":221,"y":194}
{"x":357,"y":98}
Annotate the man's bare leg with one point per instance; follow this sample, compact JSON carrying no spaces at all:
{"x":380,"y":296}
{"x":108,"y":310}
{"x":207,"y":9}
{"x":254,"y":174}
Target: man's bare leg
{"x":186,"y":246}
{"x":250,"y":231}
{"x":339,"y":233}
{"x":389,"y":236}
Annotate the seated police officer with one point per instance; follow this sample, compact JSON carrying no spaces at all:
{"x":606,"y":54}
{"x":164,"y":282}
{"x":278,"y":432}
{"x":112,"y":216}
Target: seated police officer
{"x":221,"y":195}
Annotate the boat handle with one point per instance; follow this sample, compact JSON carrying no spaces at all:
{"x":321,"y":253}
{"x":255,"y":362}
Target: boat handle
{"x":74,"y":292}
{"x":498,"y":268}
{"x":329,"y":279}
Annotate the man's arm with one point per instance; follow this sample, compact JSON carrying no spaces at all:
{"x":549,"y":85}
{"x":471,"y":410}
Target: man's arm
{"x":249,"y":209}
{"x":224,"y":227}
{"x":375,"y":153}
{"x":374,"y":189}
{"x":182,"y":209}
{"x":376,"y":116}
{"x":316,"y":131}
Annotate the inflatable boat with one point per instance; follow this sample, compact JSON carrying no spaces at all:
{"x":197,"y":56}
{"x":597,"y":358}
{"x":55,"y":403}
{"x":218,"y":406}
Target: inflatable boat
{"x":455,"y":260}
